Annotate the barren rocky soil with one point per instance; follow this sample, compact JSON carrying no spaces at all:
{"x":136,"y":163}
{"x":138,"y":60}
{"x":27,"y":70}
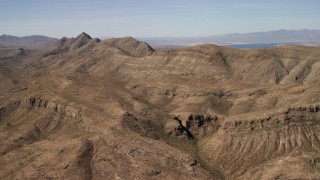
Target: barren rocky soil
{"x":117,"y":109}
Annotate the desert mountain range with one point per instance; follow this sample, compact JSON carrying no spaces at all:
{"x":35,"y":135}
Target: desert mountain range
{"x":118,"y":109}
{"x":31,"y":42}
{"x":239,"y":40}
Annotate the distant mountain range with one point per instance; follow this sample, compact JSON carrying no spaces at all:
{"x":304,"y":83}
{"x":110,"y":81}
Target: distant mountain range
{"x":30,"y":42}
{"x":259,"y":39}
{"x":245,"y":40}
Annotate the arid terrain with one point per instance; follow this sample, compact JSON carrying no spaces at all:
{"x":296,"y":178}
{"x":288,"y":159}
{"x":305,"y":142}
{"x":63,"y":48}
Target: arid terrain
{"x":118,"y":109}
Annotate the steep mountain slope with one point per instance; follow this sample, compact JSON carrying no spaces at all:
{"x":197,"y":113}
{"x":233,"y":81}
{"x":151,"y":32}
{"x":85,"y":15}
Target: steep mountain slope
{"x":90,"y":109}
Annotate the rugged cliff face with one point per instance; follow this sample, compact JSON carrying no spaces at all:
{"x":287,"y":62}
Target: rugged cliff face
{"x":90,"y":109}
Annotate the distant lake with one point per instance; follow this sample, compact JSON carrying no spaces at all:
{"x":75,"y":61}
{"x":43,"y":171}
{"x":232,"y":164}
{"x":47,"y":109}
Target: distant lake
{"x":258,"y":45}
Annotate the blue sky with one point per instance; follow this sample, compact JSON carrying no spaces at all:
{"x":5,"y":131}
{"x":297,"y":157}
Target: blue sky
{"x":154,"y":18}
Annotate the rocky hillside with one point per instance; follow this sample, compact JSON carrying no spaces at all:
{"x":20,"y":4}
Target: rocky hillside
{"x":117,"y":109}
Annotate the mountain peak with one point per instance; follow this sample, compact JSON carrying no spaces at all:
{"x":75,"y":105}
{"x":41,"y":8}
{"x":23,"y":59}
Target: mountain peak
{"x":70,"y":44}
{"x":84,"y":35}
{"x":131,"y":46}
{"x":129,"y":38}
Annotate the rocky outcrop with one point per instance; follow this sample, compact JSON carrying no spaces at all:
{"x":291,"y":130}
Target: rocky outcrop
{"x":22,"y":51}
{"x":177,"y":129}
{"x":240,"y":144}
{"x":195,"y":126}
{"x":36,"y":104}
{"x":295,"y":116}
{"x":141,"y":126}
{"x":39,"y":103}
{"x":41,"y":118}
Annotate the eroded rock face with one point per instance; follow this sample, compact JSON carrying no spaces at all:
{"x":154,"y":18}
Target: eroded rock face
{"x":195,"y":126}
{"x":240,"y":144}
{"x":143,"y":127}
{"x":177,"y":129}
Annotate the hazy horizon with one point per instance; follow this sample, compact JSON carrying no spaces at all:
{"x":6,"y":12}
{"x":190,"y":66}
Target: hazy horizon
{"x":150,"y":18}
{"x":162,"y":37}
